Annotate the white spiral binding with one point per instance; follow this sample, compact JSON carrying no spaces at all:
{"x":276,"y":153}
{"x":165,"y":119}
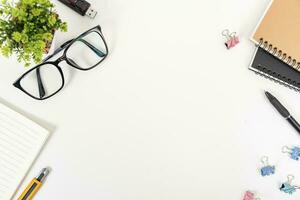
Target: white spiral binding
{"x":276,"y":80}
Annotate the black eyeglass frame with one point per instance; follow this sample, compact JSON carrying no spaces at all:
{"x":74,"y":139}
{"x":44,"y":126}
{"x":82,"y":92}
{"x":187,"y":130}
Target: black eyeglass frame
{"x":64,"y":57}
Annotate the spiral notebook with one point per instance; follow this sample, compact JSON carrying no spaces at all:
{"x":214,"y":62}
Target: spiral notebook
{"x":269,"y":66}
{"x":279,"y":31}
{"x":21,"y":140}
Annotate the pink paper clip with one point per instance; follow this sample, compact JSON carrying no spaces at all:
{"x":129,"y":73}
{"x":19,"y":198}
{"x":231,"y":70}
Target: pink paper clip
{"x":231,"y":39}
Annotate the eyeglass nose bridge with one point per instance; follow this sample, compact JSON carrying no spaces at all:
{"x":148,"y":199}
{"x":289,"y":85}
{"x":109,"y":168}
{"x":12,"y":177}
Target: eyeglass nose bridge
{"x":60,"y":59}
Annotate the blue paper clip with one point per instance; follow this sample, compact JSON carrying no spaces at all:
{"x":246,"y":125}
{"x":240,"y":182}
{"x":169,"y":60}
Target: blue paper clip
{"x":287,"y":187}
{"x":267,"y":170}
{"x":294,"y":152}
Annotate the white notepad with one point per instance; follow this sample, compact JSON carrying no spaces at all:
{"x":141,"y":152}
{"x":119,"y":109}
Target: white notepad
{"x":21,"y":141}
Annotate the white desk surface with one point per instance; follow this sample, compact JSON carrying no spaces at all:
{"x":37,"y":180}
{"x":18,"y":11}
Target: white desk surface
{"x":172,"y":114}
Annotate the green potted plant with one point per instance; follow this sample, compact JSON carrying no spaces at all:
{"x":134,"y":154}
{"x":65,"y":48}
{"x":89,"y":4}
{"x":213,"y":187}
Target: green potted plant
{"x":27,"y":29}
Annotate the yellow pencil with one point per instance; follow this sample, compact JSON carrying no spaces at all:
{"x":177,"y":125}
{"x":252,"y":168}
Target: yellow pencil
{"x":34,"y":185}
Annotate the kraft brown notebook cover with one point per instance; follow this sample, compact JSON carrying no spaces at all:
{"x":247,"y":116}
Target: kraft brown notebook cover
{"x":279,"y":31}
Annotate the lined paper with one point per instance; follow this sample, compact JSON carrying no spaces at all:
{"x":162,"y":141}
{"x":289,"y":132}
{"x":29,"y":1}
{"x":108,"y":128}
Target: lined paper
{"x":21,"y":141}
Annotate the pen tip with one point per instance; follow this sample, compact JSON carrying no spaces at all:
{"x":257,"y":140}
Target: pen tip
{"x":266,"y":93}
{"x":269,"y":95}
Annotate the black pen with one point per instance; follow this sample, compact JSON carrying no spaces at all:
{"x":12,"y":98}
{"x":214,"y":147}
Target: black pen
{"x":283,"y":111}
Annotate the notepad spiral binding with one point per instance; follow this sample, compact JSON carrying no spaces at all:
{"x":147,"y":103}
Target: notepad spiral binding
{"x":279,"y":54}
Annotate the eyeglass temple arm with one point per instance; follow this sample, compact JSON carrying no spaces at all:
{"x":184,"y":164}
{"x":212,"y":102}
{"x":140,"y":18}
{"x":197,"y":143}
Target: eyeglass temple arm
{"x":42,"y":91}
{"x":93,"y":48}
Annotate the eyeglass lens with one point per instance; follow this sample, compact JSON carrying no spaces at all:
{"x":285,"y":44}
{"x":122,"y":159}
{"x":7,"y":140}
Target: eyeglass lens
{"x":43,"y":81}
{"x":87,"y":51}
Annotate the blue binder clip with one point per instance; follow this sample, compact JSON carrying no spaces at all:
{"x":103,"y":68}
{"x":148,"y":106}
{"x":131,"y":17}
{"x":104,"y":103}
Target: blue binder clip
{"x":294,"y":152}
{"x":267,"y":170}
{"x":287,"y":186}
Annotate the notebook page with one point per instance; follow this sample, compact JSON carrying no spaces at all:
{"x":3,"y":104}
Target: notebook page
{"x":20,"y":142}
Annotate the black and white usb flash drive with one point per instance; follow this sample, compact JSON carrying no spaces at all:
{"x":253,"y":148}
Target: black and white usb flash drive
{"x":80,"y":6}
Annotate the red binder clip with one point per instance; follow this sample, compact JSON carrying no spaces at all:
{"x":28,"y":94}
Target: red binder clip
{"x":231,"y":39}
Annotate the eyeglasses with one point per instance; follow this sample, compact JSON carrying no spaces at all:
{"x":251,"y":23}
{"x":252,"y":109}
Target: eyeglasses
{"x":85,"y":52}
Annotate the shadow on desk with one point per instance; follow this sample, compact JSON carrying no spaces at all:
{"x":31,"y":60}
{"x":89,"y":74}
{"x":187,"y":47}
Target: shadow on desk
{"x":51,"y":128}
